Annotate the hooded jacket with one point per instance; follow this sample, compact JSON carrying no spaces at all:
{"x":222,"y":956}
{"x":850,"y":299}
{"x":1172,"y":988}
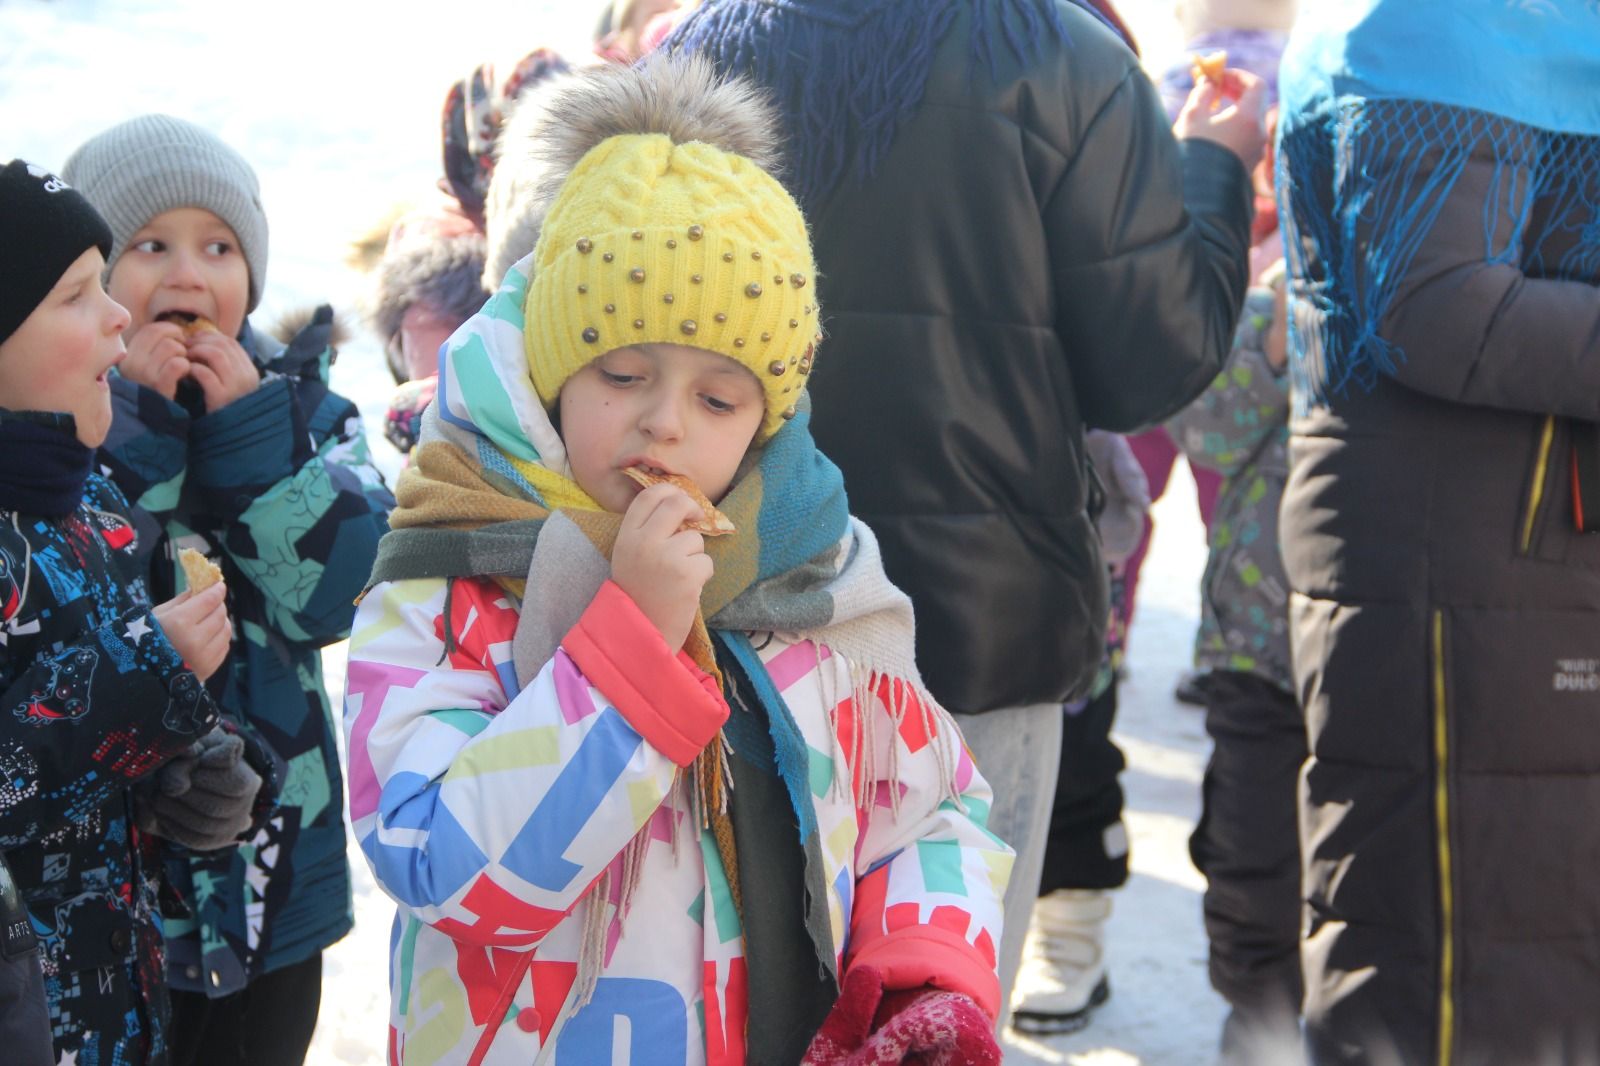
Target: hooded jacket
{"x":1031,"y":255}
{"x":278,"y":489}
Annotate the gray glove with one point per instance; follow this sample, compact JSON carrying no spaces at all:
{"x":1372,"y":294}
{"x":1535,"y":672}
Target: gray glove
{"x":203,"y":798}
{"x":1121,"y":524}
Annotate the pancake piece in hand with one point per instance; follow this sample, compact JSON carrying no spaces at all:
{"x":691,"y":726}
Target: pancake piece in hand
{"x":1209,"y":67}
{"x":713,"y":522}
{"x":190,"y":324}
{"x":201,"y":573}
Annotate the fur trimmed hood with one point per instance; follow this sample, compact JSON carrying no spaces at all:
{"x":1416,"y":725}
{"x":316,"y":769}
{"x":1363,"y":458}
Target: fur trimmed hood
{"x":558,"y":124}
{"x":443,"y":272}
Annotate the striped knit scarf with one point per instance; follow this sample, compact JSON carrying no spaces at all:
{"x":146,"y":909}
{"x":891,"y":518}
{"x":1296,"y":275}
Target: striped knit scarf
{"x":482,"y":498}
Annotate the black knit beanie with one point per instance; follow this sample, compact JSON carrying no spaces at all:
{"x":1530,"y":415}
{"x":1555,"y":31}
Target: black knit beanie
{"x":45,"y":224}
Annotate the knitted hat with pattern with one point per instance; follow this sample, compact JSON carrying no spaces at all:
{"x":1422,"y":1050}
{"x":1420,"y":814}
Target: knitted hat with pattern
{"x":155,"y":163}
{"x":657,"y":236}
{"x":45,"y":225}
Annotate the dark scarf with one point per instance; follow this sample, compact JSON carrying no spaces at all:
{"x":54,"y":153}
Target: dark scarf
{"x":42,"y":463}
{"x":846,"y":73}
{"x":787,"y":940}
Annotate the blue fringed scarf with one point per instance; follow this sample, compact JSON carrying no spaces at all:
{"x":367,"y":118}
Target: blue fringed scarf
{"x":846,"y":73}
{"x":1384,"y":103}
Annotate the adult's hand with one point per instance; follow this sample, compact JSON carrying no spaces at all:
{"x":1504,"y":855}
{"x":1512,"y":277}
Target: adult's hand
{"x":1231,"y":113}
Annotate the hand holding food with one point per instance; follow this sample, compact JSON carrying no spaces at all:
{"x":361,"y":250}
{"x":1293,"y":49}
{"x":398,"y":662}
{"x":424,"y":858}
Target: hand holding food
{"x":712,"y":522}
{"x":157,"y":358}
{"x":197,"y":625}
{"x":1229,"y":111}
{"x":660,"y":559}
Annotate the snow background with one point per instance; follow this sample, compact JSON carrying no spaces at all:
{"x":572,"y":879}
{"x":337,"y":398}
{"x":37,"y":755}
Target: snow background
{"x":336,"y":105}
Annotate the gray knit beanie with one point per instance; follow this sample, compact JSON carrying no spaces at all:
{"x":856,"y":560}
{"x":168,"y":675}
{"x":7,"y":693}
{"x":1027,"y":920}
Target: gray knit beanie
{"x":145,"y":166}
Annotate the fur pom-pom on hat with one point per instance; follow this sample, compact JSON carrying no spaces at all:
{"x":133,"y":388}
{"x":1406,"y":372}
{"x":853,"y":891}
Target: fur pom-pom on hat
{"x":665,"y":225}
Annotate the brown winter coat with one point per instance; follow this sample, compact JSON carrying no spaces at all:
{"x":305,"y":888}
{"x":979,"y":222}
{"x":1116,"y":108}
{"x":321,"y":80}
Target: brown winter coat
{"x":1446,"y":626}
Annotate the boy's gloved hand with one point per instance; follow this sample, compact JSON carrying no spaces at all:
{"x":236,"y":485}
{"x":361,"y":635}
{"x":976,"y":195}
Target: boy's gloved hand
{"x":203,"y":798}
{"x":923,"y":1025}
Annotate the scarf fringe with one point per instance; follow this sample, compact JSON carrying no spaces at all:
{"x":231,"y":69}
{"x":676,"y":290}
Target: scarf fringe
{"x":1361,"y":184}
{"x":904,"y":698}
{"x":705,"y":786}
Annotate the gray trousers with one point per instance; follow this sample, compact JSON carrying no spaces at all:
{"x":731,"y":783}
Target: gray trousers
{"x":1018,"y":750}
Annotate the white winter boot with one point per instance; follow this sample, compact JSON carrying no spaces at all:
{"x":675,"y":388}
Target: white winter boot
{"x":1063,"y":975}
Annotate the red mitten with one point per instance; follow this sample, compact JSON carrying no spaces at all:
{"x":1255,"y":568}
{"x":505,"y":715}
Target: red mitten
{"x":934,"y":1029}
{"x":923,"y":1026}
{"x":847,"y":1025}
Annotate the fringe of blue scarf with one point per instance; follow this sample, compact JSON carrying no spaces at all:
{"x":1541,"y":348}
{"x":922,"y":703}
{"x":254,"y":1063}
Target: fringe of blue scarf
{"x":845,"y":77}
{"x":1360,"y":187}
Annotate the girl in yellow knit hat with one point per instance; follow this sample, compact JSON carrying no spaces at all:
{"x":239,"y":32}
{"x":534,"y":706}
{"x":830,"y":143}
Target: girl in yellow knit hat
{"x":612,"y":767}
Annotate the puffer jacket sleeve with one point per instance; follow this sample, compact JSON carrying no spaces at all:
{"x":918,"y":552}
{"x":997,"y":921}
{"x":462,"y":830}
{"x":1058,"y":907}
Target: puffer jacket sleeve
{"x":286,"y":476}
{"x":930,"y":876}
{"x":1244,"y":404}
{"x":1486,"y":333}
{"x":1148,"y":240}
{"x":488,"y":810}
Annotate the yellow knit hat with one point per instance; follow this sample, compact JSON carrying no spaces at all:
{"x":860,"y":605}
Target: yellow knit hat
{"x":651,"y":241}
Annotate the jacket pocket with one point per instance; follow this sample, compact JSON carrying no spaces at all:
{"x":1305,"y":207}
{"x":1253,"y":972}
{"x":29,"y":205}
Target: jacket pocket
{"x":1547,"y":525}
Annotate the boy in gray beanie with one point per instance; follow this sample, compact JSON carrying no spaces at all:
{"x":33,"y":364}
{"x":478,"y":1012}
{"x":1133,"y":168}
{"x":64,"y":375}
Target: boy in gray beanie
{"x":157,"y":163}
{"x":233,"y":444}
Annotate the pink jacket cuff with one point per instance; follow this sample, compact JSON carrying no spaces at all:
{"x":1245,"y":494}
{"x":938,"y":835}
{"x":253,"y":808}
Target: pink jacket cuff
{"x":669,"y":700}
{"x":923,"y":955}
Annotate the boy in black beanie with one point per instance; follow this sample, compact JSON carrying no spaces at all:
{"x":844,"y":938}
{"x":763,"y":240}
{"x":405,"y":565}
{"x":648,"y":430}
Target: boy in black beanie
{"x":98,"y":688}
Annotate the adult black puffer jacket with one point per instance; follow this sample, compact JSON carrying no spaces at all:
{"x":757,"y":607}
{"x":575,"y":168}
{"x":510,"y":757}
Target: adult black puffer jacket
{"x":1446,"y":630}
{"x":1019,"y":266}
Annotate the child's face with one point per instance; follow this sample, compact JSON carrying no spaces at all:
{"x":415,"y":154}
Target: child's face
{"x":681,"y":410}
{"x":185,"y":260}
{"x":57,"y":360}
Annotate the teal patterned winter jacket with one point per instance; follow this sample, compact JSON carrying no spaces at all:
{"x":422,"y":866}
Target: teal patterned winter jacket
{"x":1239,"y":428}
{"x":278,"y":489}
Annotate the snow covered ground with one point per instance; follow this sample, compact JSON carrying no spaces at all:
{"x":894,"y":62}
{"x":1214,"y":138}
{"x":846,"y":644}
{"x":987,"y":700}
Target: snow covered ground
{"x":336,"y":105}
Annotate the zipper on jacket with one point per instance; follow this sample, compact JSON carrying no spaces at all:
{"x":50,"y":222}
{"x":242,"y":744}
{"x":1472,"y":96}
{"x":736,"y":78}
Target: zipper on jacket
{"x":1441,"y":807}
{"x":1540,"y":470}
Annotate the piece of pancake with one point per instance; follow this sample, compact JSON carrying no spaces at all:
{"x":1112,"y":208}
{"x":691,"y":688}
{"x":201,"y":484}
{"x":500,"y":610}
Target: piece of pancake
{"x":201,"y":573}
{"x":713,"y":522}
{"x":1209,"y":67}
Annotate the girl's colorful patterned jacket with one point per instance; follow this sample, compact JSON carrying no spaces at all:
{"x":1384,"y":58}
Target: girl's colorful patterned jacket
{"x":279,"y":490}
{"x":488,"y":813}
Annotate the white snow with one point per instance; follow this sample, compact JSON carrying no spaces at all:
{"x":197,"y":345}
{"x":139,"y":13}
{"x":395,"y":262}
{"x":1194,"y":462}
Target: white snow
{"x":336,"y":104}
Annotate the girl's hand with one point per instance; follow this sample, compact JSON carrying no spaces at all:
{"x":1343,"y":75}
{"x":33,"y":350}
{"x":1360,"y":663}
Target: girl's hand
{"x":197,"y":625}
{"x":659,"y":564}
{"x":222,"y":369}
{"x":157,"y":358}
